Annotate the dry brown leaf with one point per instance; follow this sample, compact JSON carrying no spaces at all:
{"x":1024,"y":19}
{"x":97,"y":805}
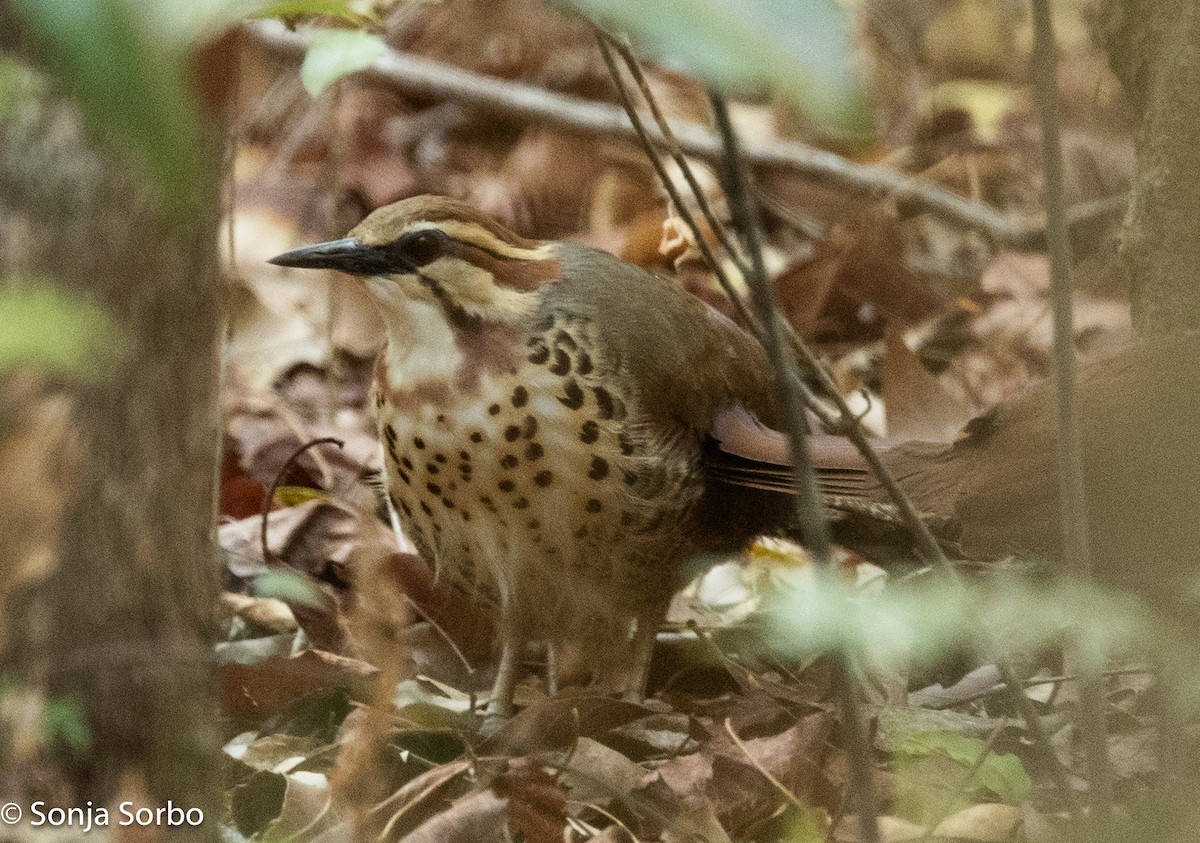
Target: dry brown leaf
{"x":536,"y":803}
{"x":478,"y":818}
{"x":918,"y":406}
{"x":257,"y":691}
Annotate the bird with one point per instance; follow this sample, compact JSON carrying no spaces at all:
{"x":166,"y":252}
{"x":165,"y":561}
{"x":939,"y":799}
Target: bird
{"x":564,"y":434}
{"x":546,"y":412}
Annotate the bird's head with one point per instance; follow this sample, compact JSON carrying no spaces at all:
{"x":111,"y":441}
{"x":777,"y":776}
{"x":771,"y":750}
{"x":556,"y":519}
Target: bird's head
{"x":441,"y":252}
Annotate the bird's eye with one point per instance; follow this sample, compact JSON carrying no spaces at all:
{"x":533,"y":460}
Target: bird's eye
{"x":420,"y":248}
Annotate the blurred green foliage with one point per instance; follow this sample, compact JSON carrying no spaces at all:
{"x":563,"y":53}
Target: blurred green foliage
{"x":801,"y":49}
{"x":336,"y":53}
{"x":128,"y":67}
{"x":977,"y":767}
{"x":941,"y":619}
{"x":288,"y":586}
{"x":59,"y":331}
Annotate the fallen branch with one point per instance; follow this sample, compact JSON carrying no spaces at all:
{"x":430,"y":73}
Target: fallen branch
{"x":426,"y":77}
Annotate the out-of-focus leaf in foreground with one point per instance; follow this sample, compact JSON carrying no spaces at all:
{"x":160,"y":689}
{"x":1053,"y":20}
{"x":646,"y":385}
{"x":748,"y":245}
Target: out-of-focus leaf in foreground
{"x":56,"y":330}
{"x":337,"y":53}
{"x":131,"y":81}
{"x":801,"y":48}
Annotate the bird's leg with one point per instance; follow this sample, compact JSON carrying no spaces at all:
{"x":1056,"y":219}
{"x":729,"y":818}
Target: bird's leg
{"x":506,"y":676}
{"x":643,"y":650}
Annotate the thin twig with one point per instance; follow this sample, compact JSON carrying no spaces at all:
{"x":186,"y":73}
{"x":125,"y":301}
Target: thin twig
{"x":809,"y":511}
{"x":758,"y":765}
{"x":437,"y":627}
{"x":426,"y":77}
{"x":672,"y":143}
{"x":270,"y":498}
{"x":1071,"y":494}
{"x":702,"y":243}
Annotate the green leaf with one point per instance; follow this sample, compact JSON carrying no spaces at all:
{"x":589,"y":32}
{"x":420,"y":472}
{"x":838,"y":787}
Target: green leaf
{"x":288,"y":586}
{"x":337,"y":53}
{"x":62,"y":719}
{"x":62,"y":332}
{"x":801,"y":48}
{"x":18,"y":83}
{"x":1001,"y":773}
{"x":294,"y":8}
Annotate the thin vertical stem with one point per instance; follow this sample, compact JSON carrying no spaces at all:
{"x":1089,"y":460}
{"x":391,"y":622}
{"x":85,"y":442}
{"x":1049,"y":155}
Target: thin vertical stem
{"x":809,"y":511}
{"x":1071,"y":492}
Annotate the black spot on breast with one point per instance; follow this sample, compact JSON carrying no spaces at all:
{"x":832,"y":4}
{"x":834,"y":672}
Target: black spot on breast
{"x":406,"y":509}
{"x":434,"y":488}
{"x":583,"y":363}
{"x":630,"y":478}
{"x":389,"y":433}
{"x":508,"y":461}
{"x":494,"y":410}
{"x":562,"y":362}
{"x":604,"y":402}
{"x":419,"y":443}
{"x":466,"y":516}
{"x":564,"y":339}
{"x":464,"y":456}
{"x":529,"y":427}
{"x":521,"y":503}
{"x":593,"y":505}
{"x":534,"y":524}
{"x":439,"y":458}
{"x":533,"y":452}
{"x":403,"y":475}
{"x":441,"y":419}
{"x":431,"y":468}
{"x":407,"y":463}
{"x":520,"y":396}
{"x":506,"y":485}
{"x":512,"y":433}
{"x":476,"y":436}
{"x":543,"y":478}
{"x":425,"y":508}
{"x":581,"y":532}
{"x":449,"y":504}
{"x":589,"y":432}
{"x":626,"y":445}
{"x":599,"y":469}
{"x":540,"y":354}
{"x":572,"y":398}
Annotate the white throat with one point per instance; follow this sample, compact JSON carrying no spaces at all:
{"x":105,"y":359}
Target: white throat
{"x":420,"y":340}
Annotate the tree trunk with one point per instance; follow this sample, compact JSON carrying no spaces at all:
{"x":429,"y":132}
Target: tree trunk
{"x":1154,"y":48}
{"x":122,"y":623}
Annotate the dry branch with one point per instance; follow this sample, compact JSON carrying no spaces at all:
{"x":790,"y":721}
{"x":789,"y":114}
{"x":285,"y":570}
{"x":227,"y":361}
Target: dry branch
{"x":426,"y":77}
